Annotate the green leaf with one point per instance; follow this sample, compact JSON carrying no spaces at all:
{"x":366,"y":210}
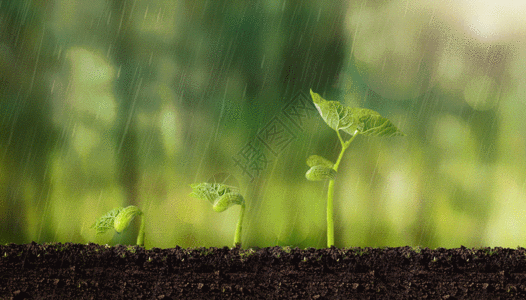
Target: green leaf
{"x":125,"y":216}
{"x":227,"y":200}
{"x":319,"y":173}
{"x":334,"y":114}
{"x":203,"y":191}
{"x":316,"y":160}
{"x":107,"y":221}
{"x":353,"y":120}
{"x":214,"y":192}
{"x":372,"y":123}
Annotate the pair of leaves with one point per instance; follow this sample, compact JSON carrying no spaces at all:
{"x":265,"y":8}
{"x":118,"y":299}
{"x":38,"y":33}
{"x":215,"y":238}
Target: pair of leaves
{"x":353,"y":120}
{"x":320,"y":168}
{"x":221,"y":196}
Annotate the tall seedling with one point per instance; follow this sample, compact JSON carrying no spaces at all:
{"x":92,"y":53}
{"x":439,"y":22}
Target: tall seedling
{"x":353,"y":121}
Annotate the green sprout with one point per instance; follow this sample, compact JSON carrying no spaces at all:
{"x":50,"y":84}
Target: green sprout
{"x":119,"y":219}
{"x":222,"y":197}
{"x":353,"y":121}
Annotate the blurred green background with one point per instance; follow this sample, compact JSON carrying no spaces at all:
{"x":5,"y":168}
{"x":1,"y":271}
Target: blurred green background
{"x":108,"y":103}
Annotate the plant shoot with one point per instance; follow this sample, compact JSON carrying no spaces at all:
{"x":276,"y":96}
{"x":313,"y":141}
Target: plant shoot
{"x":119,"y":219}
{"x":222,"y":197}
{"x":353,"y":121}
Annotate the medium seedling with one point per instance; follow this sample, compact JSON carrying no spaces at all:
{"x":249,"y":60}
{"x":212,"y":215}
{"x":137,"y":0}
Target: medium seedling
{"x":222,"y":197}
{"x":353,"y":121}
{"x":119,"y":219}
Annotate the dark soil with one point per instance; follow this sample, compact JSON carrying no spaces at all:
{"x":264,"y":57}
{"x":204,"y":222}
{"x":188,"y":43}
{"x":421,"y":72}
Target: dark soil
{"x":74,"y":271}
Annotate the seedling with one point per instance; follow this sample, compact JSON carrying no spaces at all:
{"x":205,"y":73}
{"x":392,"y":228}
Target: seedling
{"x":120,"y":218}
{"x":222,"y":197}
{"x":353,"y":121}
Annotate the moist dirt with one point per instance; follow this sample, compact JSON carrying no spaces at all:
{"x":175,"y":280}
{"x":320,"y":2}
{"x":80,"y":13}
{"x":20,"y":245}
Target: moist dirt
{"x":77,"y":271}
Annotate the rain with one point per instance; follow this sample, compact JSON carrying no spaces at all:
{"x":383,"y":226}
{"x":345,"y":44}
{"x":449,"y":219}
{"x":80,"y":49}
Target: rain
{"x":112,"y":103}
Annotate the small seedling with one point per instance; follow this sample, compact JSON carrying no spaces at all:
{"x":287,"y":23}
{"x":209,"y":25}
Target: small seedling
{"x":417,"y":249}
{"x":353,"y":121}
{"x":119,"y":219}
{"x":286,"y":249}
{"x":222,"y":197}
{"x":247,"y":253}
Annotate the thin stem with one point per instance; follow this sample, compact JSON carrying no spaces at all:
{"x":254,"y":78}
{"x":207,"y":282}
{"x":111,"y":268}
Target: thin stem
{"x":345,"y":145}
{"x":239,"y":227}
{"x":140,"y":237}
{"x":330,"y":192}
{"x":330,"y":215}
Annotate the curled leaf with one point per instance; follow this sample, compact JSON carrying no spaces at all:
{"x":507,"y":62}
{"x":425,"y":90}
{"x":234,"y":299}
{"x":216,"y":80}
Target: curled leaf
{"x":222,"y":196}
{"x":203,"y":191}
{"x":316,"y":160}
{"x":107,"y":221}
{"x":319,"y":173}
{"x":211,"y":191}
{"x":227,"y":200}
{"x":125,"y":216}
{"x":353,"y":120}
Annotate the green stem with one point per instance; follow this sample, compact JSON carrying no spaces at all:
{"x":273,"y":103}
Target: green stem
{"x":330,"y":215}
{"x":239,"y":227}
{"x":140,"y":237}
{"x":330,"y":192}
{"x":345,"y":145}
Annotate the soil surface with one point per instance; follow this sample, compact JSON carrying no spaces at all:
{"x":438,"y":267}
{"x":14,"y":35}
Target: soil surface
{"x":75,"y":271}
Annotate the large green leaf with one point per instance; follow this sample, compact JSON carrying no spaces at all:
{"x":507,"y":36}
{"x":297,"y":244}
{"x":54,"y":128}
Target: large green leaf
{"x":376,"y":125}
{"x":353,"y":120}
{"x":334,"y":114}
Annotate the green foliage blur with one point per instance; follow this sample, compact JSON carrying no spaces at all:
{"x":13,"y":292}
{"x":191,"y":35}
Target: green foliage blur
{"x":107,"y":104}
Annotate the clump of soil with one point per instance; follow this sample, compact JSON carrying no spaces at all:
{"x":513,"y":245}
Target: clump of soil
{"x":75,"y":271}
